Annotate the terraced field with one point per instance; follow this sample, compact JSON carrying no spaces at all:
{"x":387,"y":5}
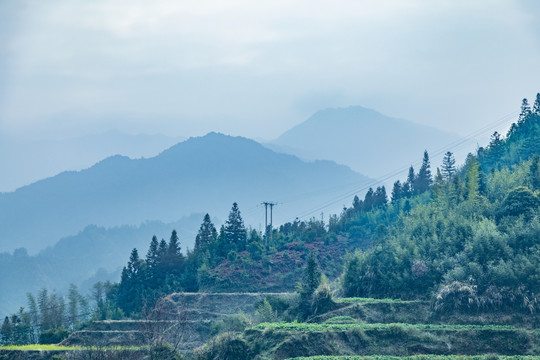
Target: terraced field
{"x":366,"y":329}
{"x":357,"y":329}
{"x":311,"y":327}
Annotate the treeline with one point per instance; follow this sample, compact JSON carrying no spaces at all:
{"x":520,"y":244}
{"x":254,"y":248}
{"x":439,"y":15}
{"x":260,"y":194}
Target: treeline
{"x":474,"y":244}
{"x":166,"y":269}
{"x":48,"y":318}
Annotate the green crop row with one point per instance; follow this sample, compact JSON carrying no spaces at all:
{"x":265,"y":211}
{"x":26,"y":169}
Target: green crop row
{"x":356,"y":300}
{"x":295,"y":326}
{"x":43,"y":347}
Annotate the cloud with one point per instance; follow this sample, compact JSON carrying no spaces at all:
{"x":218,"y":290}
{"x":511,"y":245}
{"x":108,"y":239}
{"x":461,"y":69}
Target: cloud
{"x":257,"y":68}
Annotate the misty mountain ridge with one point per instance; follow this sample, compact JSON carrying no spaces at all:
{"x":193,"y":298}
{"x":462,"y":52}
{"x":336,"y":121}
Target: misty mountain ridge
{"x":203,"y":174}
{"x":363,"y":139}
{"x":93,"y":254}
{"x":25,"y":161}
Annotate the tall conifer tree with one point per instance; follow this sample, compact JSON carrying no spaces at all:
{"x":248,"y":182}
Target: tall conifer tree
{"x":448,"y":165}
{"x":423,"y":180}
{"x":206,"y":236}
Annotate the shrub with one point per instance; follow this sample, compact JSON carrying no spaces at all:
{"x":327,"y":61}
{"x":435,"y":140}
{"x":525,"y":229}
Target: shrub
{"x":456,"y":296}
{"x":164,"y":351}
{"x":53,"y":336}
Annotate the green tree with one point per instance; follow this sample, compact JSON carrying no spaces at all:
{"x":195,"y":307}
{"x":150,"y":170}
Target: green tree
{"x":473,"y":178}
{"x":534,"y":173}
{"x":536,"y":107}
{"x":396,"y":191}
{"x":312,"y":276}
{"x":206,"y":237}
{"x":152,"y":256}
{"x":174,"y":258}
{"x":525,"y":111}
{"x":408,"y":186}
{"x":520,"y":201}
{"x":6,"y":331}
{"x":74,"y":304}
{"x":440,"y":195}
{"x":448,"y":165}
{"x":423,"y":180}
{"x":379,"y":197}
{"x":34,"y":315}
{"x":369,"y":200}
{"x":357,"y":203}
{"x":234,"y":232}
{"x":310,"y":282}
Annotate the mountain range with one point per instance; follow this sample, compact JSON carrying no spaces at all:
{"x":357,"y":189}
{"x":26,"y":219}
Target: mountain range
{"x":367,"y":141}
{"x":25,"y":161}
{"x":204,"y":174}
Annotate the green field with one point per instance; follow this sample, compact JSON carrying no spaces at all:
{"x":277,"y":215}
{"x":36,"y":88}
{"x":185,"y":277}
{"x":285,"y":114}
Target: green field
{"x":41,"y":347}
{"x":294,"y":326}
{"x":360,"y":300}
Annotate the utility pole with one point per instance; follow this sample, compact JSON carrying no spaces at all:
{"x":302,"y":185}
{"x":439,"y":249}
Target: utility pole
{"x":268,"y":230}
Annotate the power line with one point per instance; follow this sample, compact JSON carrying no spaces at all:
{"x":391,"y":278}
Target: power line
{"x":452,"y":146}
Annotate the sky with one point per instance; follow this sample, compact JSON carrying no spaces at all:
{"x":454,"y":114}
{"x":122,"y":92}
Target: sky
{"x":257,"y":68}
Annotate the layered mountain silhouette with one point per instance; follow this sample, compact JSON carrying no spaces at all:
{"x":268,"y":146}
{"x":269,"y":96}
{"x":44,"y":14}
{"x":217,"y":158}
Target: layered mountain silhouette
{"x":204,"y":174}
{"x":94,"y":254}
{"x":25,"y":161}
{"x":363,"y":139}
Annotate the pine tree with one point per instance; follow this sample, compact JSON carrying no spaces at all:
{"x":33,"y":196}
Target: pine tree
{"x":130,"y":288}
{"x":6,"y":331}
{"x":357,"y":203}
{"x":206,"y":237}
{"x":396,"y":191}
{"x":235,"y":234}
{"x":369,"y":200}
{"x":312,"y":276}
{"x":311,"y":280}
{"x":448,"y":165}
{"x":408,"y":187}
{"x":173,"y":249}
{"x":161,"y":259}
{"x":423,"y":180}
{"x":536,"y":106}
{"x":174,"y":261}
{"x":134,"y":263}
{"x":379,"y":197}
{"x":525,"y":111}
{"x":152,"y":254}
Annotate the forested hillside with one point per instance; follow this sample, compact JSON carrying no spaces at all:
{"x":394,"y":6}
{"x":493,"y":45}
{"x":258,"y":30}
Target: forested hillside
{"x":474,"y":241}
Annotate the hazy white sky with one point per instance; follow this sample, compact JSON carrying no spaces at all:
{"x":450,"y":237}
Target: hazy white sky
{"x":256,"y":68}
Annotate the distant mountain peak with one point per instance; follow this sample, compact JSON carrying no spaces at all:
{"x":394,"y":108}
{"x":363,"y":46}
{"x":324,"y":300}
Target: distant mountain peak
{"x":367,"y":141}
